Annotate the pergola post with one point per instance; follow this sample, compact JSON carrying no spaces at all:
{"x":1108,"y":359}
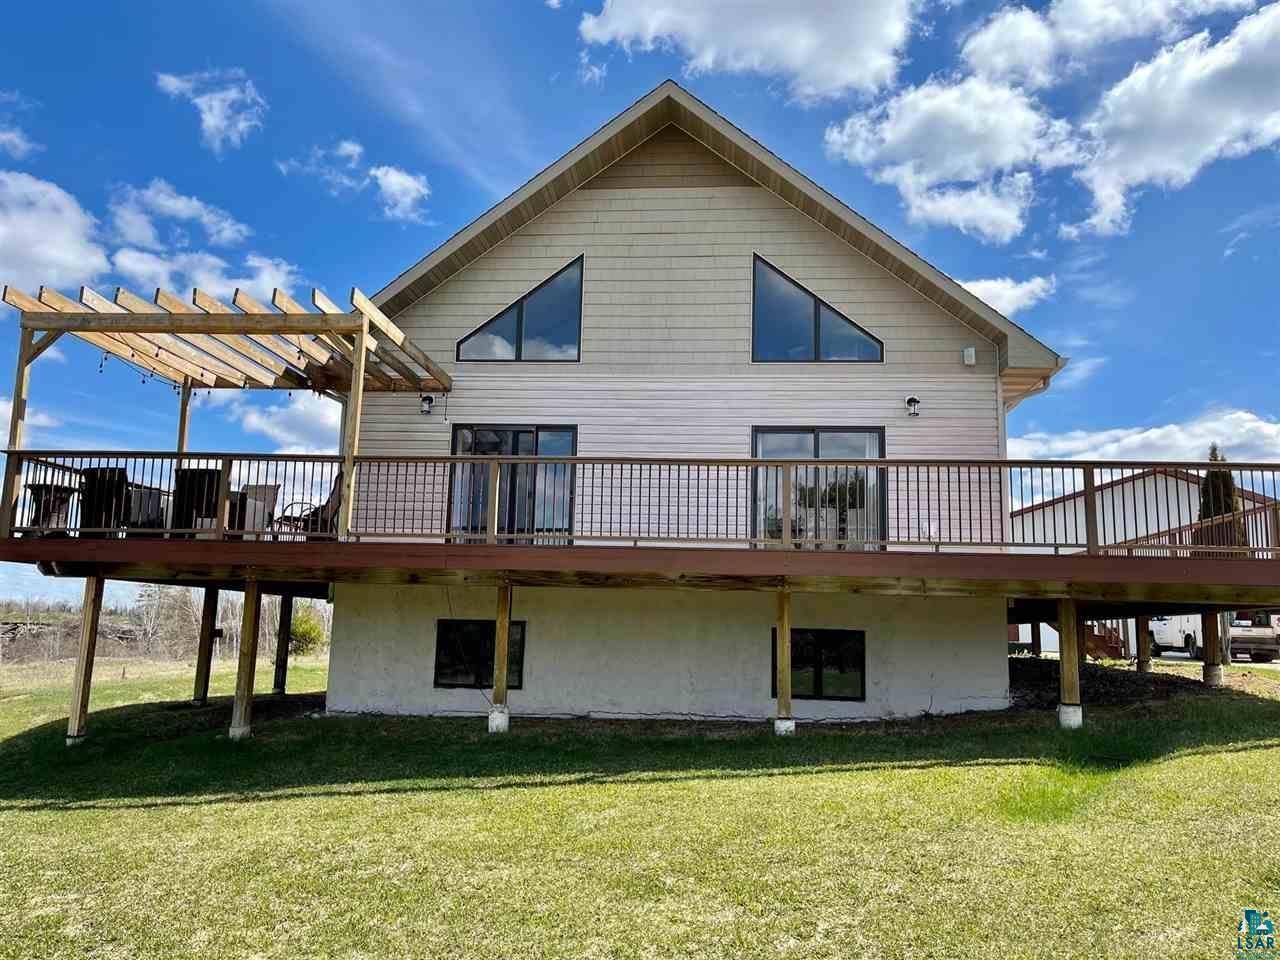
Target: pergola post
{"x":1036,"y":645}
{"x":17,"y":419}
{"x":184,"y":410}
{"x":1070,"y":713}
{"x":204,"y":647}
{"x":81,"y":680}
{"x":784,"y":724}
{"x":351,"y":430}
{"x":1212,"y":635}
{"x":499,"y":714}
{"x":1143,"y":641}
{"x":283,"y":632}
{"x":242,"y":708}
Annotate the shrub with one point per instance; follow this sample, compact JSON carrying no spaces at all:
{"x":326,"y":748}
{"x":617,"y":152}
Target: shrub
{"x":307,"y":633}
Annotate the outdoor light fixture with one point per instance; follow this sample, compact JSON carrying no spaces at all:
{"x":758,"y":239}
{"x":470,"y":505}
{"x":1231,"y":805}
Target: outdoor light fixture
{"x":426,"y":401}
{"x":913,"y":406}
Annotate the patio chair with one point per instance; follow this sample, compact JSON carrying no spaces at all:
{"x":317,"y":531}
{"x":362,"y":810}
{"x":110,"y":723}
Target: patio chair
{"x":311,"y":520}
{"x":258,"y":509}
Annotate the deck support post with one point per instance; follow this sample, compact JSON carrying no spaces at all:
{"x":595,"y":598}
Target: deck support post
{"x":283,"y":632}
{"x":784,"y":724}
{"x":1036,"y":645}
{"x":1082,"y":639}
{"x":204,"y":647}
{"x":1212,"y":634}
{"x":1070,"y":713}
{"x":499,"y":714}
{"x":242,"y":708}
{"x":81,"y":680}
{"x":1143,"y":641}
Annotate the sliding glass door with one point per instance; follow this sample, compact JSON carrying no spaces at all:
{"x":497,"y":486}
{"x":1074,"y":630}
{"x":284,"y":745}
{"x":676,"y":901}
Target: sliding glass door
{"x":535,"y":501}
{"x":837,"y":506}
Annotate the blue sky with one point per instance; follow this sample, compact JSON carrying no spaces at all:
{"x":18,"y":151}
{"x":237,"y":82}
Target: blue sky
{"x":1105,"y":172}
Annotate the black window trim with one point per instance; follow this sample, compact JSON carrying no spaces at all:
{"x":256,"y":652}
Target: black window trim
{"x":816,"y":430}
{"x":818,"y":304}
{"x":437,"y":684}
{"x":518,"y":303}
{"x":535,"y":428}
{"x":817,"y":683}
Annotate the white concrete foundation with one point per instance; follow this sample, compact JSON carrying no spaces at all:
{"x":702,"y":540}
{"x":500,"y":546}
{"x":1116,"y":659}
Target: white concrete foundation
{"x":1213,"y":674}
{"x":499,"y":719}
{"x":75,"y":741}
{"x":239,"y":733}
{"x":1070,"y":716}
{"x":673,"y":654}
{"x":784,"y":727}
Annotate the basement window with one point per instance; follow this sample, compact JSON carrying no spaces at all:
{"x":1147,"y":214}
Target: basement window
{"x":825,"y":664}
{"x":543,"y":326}
{"x":791,"y":325}
{"x":464,"y":654}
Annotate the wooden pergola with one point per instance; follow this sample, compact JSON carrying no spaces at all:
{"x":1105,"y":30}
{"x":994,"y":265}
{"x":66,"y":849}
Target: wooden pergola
{"x":246,"y":346}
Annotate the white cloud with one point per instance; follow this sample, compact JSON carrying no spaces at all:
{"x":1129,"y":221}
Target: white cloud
{"x":1195,"y":102}
{"x":34,"y":418}
{"x":133,"y":210}
{"x":210,"y":273}
{"x":1010,"y":296}
{"x":553,"y":4}
{"x":1079,"y":370}
{"x":46,"y":237}
{"x":16,"y":143}
{"x":338,"y":167}
{"x":1021,"y":45}
{"x":229,"y":105}
{"x":302,"y":423}
{"x":1266,"y":217}
{"x":52,"y":354}
{"x":959,"y":153}
{"x":591,"y":74}
{"x":1243,"y":436}
{"x":402,"y":193}
{"x":823,"y":48}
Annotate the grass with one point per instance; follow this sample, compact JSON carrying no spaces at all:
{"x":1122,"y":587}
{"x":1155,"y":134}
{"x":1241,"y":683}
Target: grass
{"x":1143,"y":835}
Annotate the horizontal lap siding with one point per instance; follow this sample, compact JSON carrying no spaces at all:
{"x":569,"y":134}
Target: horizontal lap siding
{"x":666,"y":343}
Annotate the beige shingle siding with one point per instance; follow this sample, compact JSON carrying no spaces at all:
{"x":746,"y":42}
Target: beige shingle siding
{"x":666,"y":342}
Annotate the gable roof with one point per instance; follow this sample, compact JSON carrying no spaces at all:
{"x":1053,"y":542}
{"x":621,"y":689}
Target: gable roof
{"x":1026,"y":364}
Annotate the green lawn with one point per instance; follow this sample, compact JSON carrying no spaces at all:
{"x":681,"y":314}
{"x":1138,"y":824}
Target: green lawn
{"x":1143,"y":836}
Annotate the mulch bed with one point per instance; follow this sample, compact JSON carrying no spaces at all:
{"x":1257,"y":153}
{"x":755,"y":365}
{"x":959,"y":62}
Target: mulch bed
{"x":1033,"y":684}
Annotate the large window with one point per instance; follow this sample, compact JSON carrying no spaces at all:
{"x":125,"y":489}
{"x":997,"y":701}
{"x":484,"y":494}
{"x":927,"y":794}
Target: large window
{"x":790,"y":324}
{"x":535,"y":501}
{"x":543,"y":325}
{"x":838,"y":505}
{"x":464,"y":654}
{"x":825,"y":664}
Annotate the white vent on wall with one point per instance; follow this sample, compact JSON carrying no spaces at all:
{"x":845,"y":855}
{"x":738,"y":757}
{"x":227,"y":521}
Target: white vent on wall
{"x":970,"y":356}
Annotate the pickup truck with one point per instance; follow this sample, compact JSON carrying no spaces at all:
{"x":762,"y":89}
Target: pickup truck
{"x":1254,"y":635}
{"x":1175,"y":633}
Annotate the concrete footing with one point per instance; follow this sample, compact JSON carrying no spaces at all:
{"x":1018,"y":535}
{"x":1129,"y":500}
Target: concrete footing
{"x":1070,"y":716}
{"x":239,"y":733}
{"x":499,"y":719}
{"x":784,"y":727}
{"x":75,"y":741}
{"x":1213,"y":674}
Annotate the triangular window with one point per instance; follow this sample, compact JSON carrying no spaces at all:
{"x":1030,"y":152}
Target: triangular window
{"x":543,"y":325}
{"x":789,"y":324}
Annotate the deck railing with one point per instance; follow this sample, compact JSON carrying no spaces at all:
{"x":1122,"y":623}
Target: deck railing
{"x":1133,"y":508}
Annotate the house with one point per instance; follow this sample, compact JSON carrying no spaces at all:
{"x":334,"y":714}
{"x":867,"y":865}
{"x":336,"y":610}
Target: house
{"x":669,"y":432}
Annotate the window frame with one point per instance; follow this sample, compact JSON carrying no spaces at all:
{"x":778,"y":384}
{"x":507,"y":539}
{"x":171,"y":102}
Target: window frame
{"x":818,"y":304}
{"x":817,"y":430}
{"x":436,"y":682}
{"x":817,"y":678}
{"x":535,"y":429}
{"x":518,"y":304}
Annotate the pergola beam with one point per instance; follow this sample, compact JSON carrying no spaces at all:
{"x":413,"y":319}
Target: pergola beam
{"x":283,"y":302}
{"x":215,"y":347}
{"x":245,"y":303}
{"x":379,"y":321}
{"x":264,"y":323}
